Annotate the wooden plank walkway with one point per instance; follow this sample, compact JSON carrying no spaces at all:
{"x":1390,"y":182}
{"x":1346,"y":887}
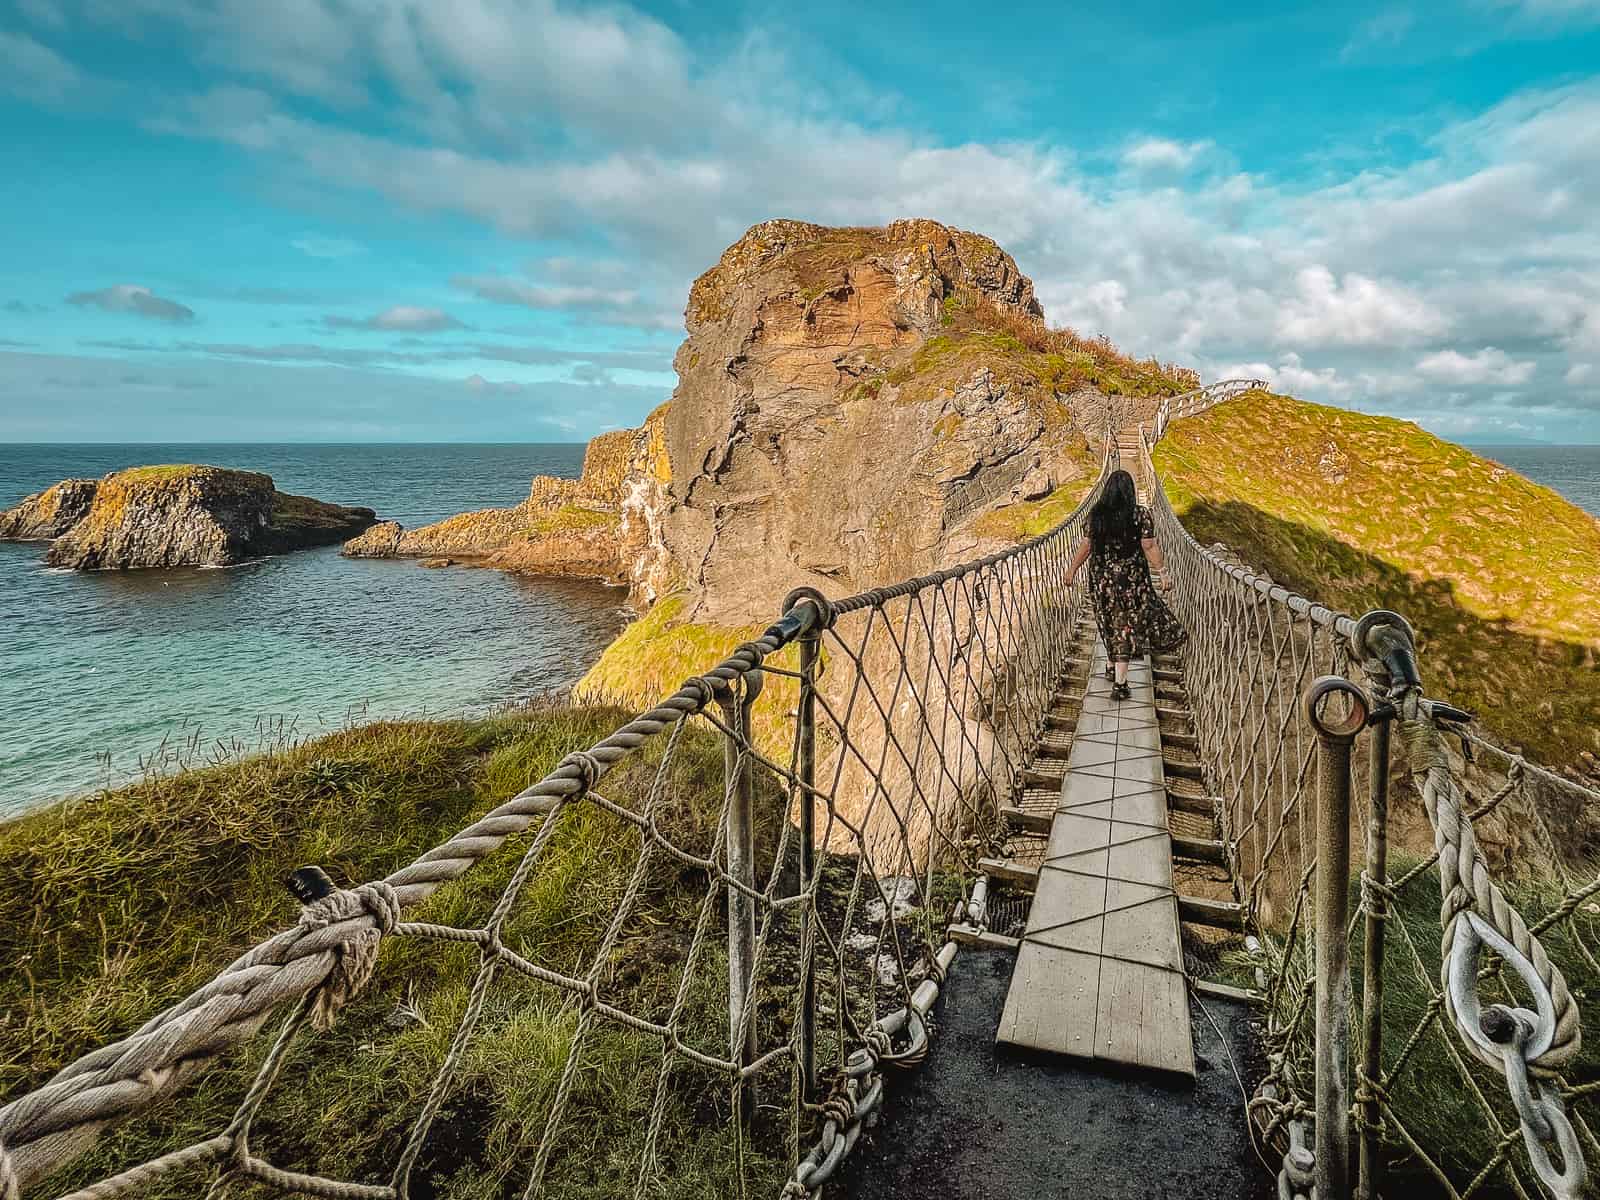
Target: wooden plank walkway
{"x":1099,"y":973}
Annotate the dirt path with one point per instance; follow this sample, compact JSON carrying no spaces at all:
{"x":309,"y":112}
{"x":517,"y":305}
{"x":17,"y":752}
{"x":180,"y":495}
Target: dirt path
{"x":976,"y":1123}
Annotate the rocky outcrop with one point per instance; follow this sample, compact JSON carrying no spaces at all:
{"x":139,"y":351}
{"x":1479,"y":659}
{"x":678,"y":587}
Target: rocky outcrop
{"x":45,"y":516}
{"x":170,"y":516}
{"x":581,"y":527}
{"x":853,"y":406}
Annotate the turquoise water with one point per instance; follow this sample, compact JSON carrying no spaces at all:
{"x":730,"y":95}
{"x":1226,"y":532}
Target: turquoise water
{"x":100,"y":670}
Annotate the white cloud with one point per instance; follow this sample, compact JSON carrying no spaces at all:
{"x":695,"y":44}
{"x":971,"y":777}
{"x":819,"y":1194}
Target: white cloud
{"x":401,"y":318}
{"x":1354,"y":311}
{"x":34,"y":72}
{"x":131,"y":298}
{"x":317,"y":246}
{"x":1379,"y":32}
{"x":1487,"y":366}
{"x":1554,"y":12}
{"x":1163,"y":154}
{"x":601,"y":127}
{"x":1579,"y":373}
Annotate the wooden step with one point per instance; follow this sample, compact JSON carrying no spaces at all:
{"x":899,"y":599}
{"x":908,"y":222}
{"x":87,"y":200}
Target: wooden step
{"x":1204,"y":806}
{"x":1218,"y":914}
{"x":1183,"y":770}
{"x":1183,"y":741}
{"x":1199,"y":849}
{"x":1008,"y":871}
{"x":1035,"y":777}
{"x":1167,"y":675}
{"x":1026,"y":819}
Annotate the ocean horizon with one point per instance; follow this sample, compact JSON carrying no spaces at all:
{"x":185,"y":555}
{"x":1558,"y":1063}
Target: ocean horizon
{"x":109,"y":671}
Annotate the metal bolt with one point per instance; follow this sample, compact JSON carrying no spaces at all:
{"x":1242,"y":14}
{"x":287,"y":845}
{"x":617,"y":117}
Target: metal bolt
{"x":310,"y":884}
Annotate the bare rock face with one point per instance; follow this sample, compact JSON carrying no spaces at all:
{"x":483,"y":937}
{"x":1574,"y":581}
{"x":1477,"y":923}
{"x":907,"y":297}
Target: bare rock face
{"x":173,"y":516}
{"x":45,"y":516}
{"x":828,"y":430}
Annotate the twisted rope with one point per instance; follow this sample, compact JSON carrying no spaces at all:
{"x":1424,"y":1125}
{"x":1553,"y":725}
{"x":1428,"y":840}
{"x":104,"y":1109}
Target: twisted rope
{"x":1466,"y":885}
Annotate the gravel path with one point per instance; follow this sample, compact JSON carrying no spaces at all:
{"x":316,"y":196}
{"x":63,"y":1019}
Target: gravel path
{"x":978,"y":1123}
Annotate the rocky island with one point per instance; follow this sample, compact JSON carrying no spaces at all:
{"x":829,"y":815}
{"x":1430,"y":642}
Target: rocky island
{"x":175,"y":516}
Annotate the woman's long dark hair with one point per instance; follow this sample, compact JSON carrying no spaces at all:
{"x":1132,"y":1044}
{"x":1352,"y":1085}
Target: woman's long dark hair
{"x":1114,"y":519}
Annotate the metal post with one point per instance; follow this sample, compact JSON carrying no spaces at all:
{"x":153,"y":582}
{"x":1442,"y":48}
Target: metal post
{"x":739,"y":781}
{"x":1369,"y":1173}
{"x":1336,"y":732}
{"x":806,"y":768}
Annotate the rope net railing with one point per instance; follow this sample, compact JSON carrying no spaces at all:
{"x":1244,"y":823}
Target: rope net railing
{"x":766,"y":944}
{"x":1466,"y":1074}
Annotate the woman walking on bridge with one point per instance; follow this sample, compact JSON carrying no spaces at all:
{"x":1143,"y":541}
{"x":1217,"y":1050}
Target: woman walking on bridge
{"x":1122,"y":553}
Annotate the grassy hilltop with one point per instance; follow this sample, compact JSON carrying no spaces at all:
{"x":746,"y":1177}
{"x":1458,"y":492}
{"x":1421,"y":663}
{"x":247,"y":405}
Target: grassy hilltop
{"x":1498,"y":574}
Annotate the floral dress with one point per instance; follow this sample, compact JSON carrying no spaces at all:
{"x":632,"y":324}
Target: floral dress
{"x":1132,"y":618}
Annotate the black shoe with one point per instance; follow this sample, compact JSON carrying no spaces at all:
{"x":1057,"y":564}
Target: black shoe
{"x":1119,"y":691}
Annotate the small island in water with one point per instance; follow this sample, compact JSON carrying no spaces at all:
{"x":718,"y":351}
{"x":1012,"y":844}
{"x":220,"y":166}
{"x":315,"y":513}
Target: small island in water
{"x":175,"y":516}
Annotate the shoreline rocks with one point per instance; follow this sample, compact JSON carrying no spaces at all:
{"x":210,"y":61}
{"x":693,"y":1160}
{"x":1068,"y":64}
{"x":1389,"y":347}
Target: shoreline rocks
{"x":175,"y":516}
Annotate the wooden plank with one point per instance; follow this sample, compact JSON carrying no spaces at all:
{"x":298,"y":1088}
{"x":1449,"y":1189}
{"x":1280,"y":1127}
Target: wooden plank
{"x":1008,"y":871}
{"x":1099,"y":972}
{"x":1200,"y":849}
{"x":1025,"y":819}
{"x":1142,"y":1018}
{"x":1219,"y":914}
{"x":1225,"y":991}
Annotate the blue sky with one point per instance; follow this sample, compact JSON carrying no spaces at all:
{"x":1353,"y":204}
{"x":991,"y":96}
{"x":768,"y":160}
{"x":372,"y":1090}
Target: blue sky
{"x":478,"y":220}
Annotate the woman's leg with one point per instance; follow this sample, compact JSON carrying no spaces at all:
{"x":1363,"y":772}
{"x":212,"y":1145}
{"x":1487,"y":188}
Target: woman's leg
{"x":1120,"y":670}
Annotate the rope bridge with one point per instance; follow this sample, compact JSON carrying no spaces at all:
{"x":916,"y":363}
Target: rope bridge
{"x":867,"y":746}
{"x":867,"y":742}
{"x":1469,"y":1074}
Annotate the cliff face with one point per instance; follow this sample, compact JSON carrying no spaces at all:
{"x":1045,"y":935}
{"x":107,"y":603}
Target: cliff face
{"x":175,"y":516}
{"x":849,"y":402}
{"x":45,"y":516}
{"x":853,"y":406}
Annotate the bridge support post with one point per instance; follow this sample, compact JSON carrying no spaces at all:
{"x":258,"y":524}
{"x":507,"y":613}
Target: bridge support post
{"x":806,"y":767}
{"x":1369,"y":1173}
{"x":1337,"y":710}
{"x":739,"y":788}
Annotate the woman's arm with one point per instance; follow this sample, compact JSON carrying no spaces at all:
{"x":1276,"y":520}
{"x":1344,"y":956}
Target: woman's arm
{"x":1157,"y":561}
{"x":1079,"y":557}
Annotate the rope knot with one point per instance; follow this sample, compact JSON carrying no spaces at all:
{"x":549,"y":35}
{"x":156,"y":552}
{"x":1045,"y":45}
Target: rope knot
{"x":355,"y":957}
{"x":587,"y":767}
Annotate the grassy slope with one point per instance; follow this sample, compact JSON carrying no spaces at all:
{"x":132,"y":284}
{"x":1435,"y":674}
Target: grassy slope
{"x":1498,"y":574}
{"x":114,"y":906}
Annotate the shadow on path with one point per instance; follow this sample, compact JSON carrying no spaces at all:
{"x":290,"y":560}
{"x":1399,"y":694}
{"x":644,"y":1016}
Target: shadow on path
{"x":978,"y":1123}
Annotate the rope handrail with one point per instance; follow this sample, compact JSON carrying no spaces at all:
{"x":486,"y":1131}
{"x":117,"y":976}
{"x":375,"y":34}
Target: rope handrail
{"x":317,"y":965}
{"x":1245,"y":683}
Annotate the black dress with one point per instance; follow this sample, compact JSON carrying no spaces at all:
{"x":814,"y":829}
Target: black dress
{"x":1132,"y":618}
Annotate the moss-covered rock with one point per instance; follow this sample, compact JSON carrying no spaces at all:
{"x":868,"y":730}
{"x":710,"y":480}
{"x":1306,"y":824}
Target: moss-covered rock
{"x":177,"y":515}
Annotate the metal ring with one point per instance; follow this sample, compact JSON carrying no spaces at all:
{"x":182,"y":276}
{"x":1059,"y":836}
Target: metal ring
{"x":1376,"y":618}
{"x":1327,"y":686}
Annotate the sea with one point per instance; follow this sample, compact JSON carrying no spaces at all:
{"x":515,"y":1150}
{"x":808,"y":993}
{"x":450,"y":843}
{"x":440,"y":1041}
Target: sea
{"x":105,"y":674}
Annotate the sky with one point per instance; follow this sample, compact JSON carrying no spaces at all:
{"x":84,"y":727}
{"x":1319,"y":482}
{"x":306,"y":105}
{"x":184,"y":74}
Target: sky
{"x":477,"y":220}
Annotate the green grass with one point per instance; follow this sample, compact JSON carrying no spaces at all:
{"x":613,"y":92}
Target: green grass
{"x":1497,"y":573}
{"x":1430,"y":1096}
{"x":114,"y":906}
